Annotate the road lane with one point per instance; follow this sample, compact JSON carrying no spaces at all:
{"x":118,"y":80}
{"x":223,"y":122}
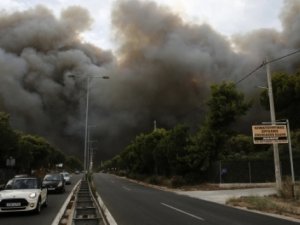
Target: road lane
{"x":47,"y":215}
{"x":134,"y":204}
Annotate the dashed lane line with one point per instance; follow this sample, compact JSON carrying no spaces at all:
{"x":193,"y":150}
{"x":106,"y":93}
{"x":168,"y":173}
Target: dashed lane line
{"x":181,"y":211}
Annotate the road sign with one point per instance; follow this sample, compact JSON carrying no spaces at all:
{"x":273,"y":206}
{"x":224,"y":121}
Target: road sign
{"x":269,"y":134}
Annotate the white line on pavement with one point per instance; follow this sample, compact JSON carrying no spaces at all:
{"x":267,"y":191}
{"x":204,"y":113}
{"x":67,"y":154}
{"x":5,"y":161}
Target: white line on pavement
{"x":184,"y":212}
{"x":126,"y":188}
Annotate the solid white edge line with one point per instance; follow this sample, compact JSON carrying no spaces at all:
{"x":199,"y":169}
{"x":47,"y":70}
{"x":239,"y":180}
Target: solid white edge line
{"x":184,"y":212}
{"x":64,"y":206}
{"x":110,"y":219}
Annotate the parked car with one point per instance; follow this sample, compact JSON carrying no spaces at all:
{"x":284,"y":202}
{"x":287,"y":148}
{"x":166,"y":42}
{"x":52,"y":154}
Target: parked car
{"x":23,"y":194}
{"x":67,"y":177}
{"x":54,"y":182}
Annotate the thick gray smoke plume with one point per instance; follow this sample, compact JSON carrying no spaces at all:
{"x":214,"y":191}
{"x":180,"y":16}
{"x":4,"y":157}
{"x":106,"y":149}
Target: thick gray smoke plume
{"x":162,"y":71}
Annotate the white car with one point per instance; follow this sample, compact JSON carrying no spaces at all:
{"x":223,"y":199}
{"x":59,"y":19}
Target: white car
{"x":23,"y":194}
{"x":67,"y":177}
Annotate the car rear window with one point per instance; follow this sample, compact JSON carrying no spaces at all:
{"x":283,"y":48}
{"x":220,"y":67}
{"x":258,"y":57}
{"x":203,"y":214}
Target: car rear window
{"x":53,"y":177}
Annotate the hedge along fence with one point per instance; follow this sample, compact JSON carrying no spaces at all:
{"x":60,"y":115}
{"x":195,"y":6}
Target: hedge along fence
{"x":256,"y":171}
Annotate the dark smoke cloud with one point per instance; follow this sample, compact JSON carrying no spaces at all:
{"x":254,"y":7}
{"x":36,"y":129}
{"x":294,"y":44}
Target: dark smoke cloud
{"x":162,"y":71}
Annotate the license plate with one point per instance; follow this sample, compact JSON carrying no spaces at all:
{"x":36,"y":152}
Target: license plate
{"x":13,"y":204}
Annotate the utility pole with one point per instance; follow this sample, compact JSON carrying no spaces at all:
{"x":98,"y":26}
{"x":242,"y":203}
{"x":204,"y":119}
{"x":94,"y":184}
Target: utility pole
{"x":273,"y":121}
{"x":86,"y":124}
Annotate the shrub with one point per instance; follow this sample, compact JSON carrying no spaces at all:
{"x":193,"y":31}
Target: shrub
{"x":287,"y":188}
{"x":177,"y":181}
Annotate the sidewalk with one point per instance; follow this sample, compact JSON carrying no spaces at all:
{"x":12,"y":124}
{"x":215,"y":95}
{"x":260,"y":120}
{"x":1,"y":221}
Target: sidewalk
{"x":221,"y":196}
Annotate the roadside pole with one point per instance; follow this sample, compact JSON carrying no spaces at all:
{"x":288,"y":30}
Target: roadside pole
{"x":291,"y":156}
{"x":273,"y":121}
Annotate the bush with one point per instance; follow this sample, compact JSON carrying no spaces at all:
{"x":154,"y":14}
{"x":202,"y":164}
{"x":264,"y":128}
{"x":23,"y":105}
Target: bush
{"x":287,"y":188}
{"x":177,"y":181}
{"x":156,"y":180}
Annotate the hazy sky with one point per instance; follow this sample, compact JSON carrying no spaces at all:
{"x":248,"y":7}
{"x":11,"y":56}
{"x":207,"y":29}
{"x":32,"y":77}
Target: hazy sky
{"x":226,"y":16}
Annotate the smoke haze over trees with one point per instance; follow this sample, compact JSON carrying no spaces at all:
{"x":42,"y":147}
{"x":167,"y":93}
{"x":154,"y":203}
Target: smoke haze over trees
{"x":162,"y":70}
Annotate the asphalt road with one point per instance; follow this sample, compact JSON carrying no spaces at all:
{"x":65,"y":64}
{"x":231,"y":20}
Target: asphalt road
{"x":133,"y":204}
{"x":47,"y":215}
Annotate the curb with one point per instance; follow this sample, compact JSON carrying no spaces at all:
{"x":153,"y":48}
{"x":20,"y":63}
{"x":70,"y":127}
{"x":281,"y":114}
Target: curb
{"x":62,"y":210}
{"x":107,"y":214}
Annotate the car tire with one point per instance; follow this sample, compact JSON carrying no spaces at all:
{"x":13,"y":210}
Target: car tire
{"x":37,"y":209}
{"x":46,"y":202}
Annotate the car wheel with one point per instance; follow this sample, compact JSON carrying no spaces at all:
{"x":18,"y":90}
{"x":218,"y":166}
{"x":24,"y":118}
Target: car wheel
{"x":46,"y":202}
{"x":38,"y":207}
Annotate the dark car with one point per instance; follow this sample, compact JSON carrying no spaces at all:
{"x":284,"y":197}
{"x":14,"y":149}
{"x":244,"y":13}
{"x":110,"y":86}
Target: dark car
{"x":54,"y":182}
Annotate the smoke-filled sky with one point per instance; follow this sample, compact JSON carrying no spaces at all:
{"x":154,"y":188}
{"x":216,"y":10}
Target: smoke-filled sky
{"x":161,"y":63}
{"x":227,"y":17}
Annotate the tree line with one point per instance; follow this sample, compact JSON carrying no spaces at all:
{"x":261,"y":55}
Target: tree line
{"x":30,"y":152}
{"x":180,"y":152}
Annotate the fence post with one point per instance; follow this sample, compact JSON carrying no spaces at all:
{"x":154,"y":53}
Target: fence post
{"x":250,"y":172}
{"x":220,"y":171}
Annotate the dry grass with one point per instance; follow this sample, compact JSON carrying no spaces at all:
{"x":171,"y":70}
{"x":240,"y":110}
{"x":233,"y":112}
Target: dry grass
{"x":270,"y":204}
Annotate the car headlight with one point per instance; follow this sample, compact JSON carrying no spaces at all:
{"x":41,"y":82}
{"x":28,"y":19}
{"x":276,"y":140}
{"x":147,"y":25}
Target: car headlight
{"x":60,"y":184}
{"x":32,"y":195}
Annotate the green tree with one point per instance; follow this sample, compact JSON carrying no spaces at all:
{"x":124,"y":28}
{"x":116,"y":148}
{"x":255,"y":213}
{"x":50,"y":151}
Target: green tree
{"x":225,"y":105}
{"x":171,"y":151}
{"x":8,"y":139}
{"x":286,"y":92}
{"x":38,"y":148}
{"x":55,"y":157}
{"x":74,"y":163}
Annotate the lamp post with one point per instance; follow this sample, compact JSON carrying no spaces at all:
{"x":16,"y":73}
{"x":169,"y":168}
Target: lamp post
{"x":88,"y":79}
{"x":90,"y":148}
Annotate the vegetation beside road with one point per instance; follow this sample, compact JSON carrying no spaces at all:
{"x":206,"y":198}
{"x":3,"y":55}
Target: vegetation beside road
{"x":287,"y":203}
{"x":269,"y":204}
{"x":30,"y":152}
{"x":188,"y":156}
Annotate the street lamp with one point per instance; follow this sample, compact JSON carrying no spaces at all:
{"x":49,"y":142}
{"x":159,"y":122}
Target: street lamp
{"x":88,"y":79}
{"x":90,"y":148}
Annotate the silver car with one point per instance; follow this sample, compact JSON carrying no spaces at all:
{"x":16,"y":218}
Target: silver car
{"x":23,"y":194}
{"x":67,"y":177}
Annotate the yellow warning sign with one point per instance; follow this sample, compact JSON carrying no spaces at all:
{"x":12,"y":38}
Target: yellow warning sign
{"x":269,"y":134}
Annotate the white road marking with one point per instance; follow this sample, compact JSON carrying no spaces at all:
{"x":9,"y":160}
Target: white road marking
{"x":184,"y":212}
{"x":126,"y":188}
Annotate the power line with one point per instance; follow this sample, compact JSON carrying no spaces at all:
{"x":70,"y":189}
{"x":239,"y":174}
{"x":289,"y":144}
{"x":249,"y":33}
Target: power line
{"x":265,"y":63}
{"x":285,"y":56}
{"x":252,"y":72}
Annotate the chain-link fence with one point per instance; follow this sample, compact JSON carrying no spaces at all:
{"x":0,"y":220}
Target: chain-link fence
{"x":255,"y":171}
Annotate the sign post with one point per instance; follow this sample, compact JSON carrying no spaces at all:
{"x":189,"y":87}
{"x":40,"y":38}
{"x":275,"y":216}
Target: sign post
{"x":275,"y":134}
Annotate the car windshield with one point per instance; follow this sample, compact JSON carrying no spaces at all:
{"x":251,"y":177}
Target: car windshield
{"x":65,"y":174}
{"x":53,"y":177}
{"x":23,"y":184}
